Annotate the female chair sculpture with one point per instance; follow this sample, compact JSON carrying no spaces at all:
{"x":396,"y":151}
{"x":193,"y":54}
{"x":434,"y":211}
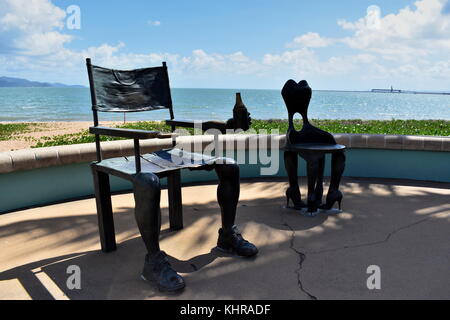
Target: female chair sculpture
{"x":312,"y":144}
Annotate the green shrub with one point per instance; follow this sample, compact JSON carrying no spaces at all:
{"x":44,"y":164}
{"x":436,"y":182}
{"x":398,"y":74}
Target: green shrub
{"x":7,"y":130}
{"x":395,"y":127}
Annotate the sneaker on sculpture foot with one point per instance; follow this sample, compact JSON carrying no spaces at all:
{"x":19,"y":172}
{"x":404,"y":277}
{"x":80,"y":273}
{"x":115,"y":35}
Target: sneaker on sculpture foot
{"x":232,"y":242}
{"x":157,"y":269}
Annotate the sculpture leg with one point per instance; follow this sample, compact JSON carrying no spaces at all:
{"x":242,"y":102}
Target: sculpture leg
{"x":230,"y":240}
{"x":319,"y":183}
{"x":104,"y":210}
{"x":337,"y":170}
{"x":147,"y":193}
{"x":313,"y":170}
{"x":228,"y":192}
{"x":293,"y":192}
{"x":175,"y":200}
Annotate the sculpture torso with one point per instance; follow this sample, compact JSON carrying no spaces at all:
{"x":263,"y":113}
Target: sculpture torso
{"x":297,"y":97}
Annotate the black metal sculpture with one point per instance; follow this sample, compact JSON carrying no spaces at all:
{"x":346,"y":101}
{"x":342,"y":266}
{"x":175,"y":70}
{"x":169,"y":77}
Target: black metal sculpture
{"x":241,"y":120}
{"x":145,"y":90}
{"x":312,"y":144}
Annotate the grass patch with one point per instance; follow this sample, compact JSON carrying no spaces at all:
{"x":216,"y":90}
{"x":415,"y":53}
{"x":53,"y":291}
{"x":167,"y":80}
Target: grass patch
{"x":8,"y":130}
{"x":400,"y":127}
{"x":68,"y":139}
{"x":85,"y":137}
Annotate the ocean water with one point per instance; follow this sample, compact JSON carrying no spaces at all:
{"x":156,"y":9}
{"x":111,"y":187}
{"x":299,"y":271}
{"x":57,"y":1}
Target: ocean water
{"x":73,"y":104}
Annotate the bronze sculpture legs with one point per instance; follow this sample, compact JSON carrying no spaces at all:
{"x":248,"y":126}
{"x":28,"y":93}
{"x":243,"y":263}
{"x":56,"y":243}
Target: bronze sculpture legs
{"x":147,"y":193}
{"x":337,"y":169}
{"x":293,"y":192}
{"x":228,"y":192}
{"x":315,"y":173}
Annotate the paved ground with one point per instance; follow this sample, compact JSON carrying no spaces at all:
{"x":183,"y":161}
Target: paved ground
{"x":402,"y":227}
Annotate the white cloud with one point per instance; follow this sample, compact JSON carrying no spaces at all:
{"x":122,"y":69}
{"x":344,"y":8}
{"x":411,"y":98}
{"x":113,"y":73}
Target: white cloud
{"x":155,"y":23}
{"x":310,"y":40}
{"x":305,"y":62}
{"x":30,"y":15}
{"x":406,"y":46}
{"x":31,"y":27}
{"x":401,"y":47}
{"x":411,"y":33}
{"x":236,"y":62}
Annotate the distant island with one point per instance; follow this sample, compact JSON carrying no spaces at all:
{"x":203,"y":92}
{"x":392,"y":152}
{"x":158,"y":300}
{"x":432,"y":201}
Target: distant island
{"x":7,"y":82}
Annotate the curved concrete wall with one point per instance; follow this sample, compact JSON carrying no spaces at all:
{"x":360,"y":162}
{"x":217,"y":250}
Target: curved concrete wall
{"x":41,"y":176}
{"x":64,"y":155}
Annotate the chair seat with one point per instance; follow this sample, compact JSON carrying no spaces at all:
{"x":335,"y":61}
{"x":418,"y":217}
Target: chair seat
{"x":159,"y":163}
{"x":315,"y":147}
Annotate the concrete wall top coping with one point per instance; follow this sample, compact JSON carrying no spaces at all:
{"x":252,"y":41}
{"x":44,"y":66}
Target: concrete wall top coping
{"x":29,"y":159}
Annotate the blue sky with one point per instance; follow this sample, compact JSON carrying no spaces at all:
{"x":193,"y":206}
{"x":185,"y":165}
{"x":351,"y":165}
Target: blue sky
{"x":343,"y":45}
{"x":253,"y":26}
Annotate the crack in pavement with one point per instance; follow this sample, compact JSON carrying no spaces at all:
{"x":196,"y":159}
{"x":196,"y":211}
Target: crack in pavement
{"x":302,"y":258}
{"x":369,"y":244}
{"x":302,"y":255}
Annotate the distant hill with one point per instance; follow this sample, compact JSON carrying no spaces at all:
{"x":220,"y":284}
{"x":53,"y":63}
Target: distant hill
{"x":6,"y":82}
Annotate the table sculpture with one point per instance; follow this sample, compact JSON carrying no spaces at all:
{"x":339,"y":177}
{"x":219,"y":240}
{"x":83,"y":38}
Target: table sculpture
{"x":312,"y":144}
{"x":148,"y":89}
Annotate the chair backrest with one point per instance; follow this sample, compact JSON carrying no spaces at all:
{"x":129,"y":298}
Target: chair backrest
{"x":129,"y":90}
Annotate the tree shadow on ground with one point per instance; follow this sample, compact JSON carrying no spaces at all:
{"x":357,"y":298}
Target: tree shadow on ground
{"x":210,"y":275}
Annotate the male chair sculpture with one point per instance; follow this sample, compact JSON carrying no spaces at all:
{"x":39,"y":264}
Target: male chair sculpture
{"x":146,"y":90}
{"x":312,"y":144}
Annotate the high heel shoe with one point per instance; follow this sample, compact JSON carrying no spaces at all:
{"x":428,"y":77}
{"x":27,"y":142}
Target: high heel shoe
{"x":332,"y":198}
{"x":298,"y":203}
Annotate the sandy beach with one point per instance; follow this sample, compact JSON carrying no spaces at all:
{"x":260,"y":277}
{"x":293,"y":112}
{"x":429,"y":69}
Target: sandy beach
{"x":45,"y":129}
